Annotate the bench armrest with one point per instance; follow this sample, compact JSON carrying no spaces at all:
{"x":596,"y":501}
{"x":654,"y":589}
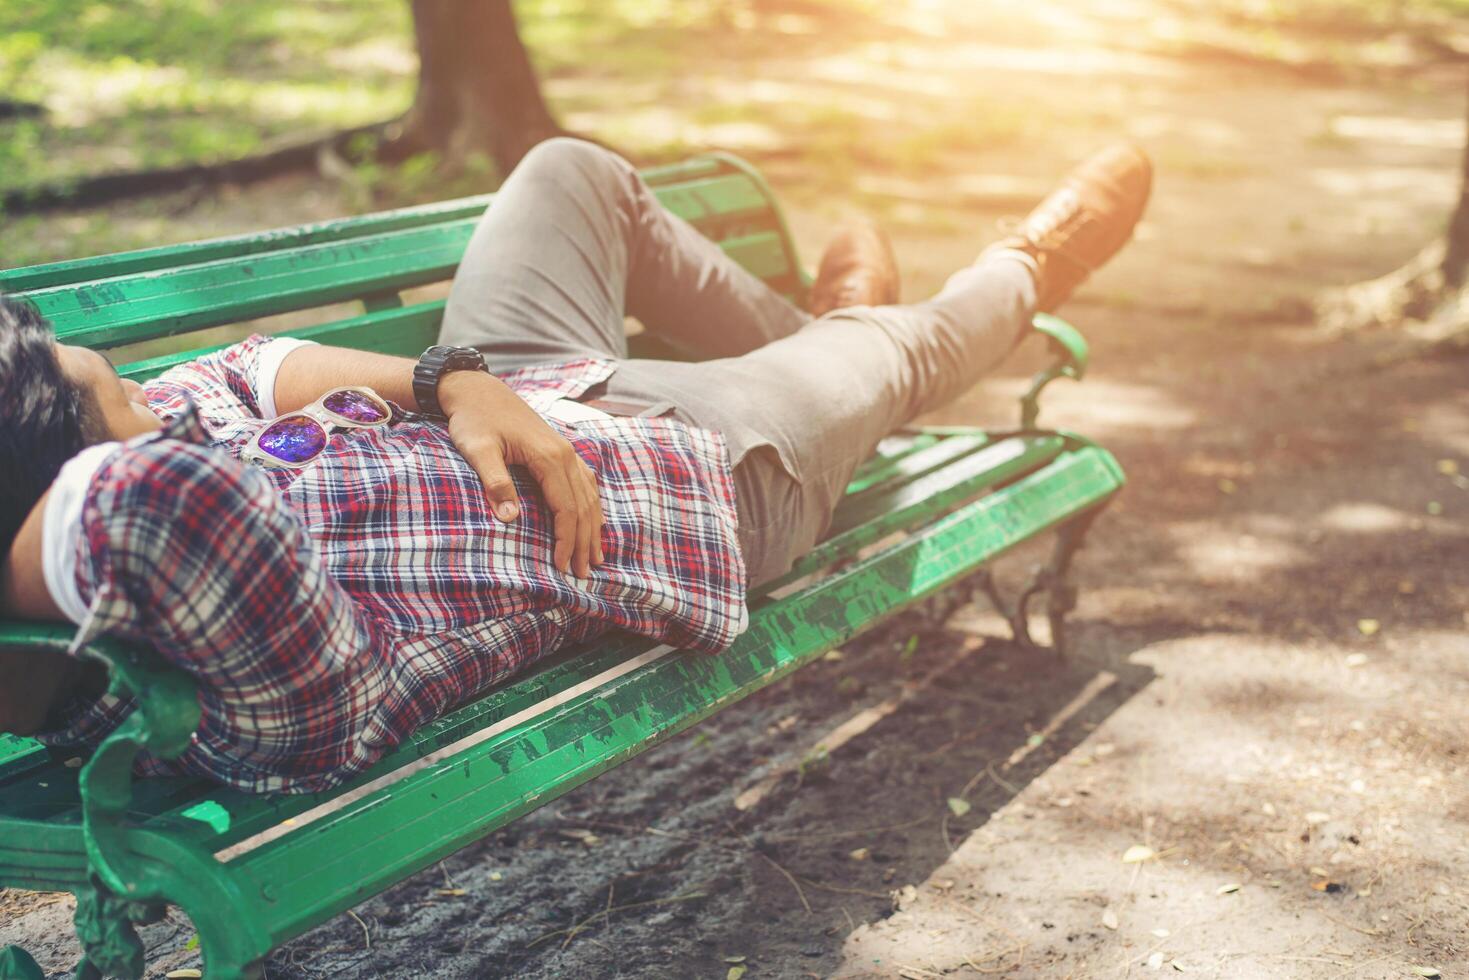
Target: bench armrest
{"x":1071,"y":354}
{"x":165,"y":696}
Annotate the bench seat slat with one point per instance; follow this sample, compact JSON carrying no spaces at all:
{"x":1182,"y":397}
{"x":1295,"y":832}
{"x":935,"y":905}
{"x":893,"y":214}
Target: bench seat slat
{"x":886,"y":456}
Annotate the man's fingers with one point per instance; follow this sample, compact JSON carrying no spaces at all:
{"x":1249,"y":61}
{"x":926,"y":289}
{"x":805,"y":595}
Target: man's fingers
{"x":489,"y":463}
{"x":588,"y":531}
{"x":565,"y":538}
{"x":561,"y":498}
{"x":597,"y":519}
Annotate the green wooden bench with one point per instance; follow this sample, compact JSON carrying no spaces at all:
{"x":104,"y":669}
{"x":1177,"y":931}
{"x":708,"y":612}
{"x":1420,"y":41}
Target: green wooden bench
{"x":253,"y":871}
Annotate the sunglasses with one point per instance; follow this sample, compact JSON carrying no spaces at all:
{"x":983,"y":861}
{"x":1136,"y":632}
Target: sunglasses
{"x":295,"y":439}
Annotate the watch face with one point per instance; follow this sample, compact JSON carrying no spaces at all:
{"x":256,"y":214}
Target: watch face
{"x":465,"y":358}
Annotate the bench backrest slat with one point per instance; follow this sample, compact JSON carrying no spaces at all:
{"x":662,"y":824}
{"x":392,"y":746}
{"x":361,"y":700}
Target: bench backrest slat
{"x":152,"y":293}
{"x":70,"y":271}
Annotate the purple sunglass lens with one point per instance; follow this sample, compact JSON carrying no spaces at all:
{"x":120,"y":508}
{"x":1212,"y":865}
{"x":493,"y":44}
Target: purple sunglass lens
{"x":356,"y":406}
{"x":293,"y":439}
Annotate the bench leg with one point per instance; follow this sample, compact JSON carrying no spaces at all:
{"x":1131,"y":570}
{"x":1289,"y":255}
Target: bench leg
{"x":1052,"y":578}
{"x":106,"y":927}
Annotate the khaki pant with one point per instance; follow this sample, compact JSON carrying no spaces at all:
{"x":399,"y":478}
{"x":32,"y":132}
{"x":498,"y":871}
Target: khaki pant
{"x":575,"y":241}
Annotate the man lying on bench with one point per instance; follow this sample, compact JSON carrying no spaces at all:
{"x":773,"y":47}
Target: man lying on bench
{"x":339,"y":546}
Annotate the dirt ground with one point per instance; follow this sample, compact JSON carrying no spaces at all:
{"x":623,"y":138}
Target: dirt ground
{"x":1252,"y":765}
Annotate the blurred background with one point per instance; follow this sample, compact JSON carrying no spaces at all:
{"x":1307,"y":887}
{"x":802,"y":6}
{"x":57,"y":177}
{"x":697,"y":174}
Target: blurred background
{"x":1276,"y":606}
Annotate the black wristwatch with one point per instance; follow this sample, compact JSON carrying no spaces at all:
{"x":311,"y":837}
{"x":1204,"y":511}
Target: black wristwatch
{"x":433,"y":364}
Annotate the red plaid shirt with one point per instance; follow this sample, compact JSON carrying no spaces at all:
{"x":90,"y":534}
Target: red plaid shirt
{"x":328,"y":612}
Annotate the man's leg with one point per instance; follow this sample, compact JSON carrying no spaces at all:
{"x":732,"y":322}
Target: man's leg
{"x":828,"y":394}
{"x":575,"y":240}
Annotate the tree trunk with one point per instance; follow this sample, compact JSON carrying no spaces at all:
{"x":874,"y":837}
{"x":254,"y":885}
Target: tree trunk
{"x":1428,"y":289}
{"x":477,"y":93}
{"x":477,"y":89}
{"x":1456,"y":251}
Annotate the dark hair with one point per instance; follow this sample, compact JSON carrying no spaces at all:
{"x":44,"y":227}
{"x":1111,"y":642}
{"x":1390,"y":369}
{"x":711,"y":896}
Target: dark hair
{"x":45,"y":417}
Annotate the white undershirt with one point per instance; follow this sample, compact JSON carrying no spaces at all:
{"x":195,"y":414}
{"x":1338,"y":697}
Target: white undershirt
{"x":61,"y":528}
{"x":271,"y":357}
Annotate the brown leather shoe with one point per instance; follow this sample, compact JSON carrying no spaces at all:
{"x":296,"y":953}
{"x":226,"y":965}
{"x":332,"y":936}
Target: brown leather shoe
{"x":857,"y":269}
{"x":1085,"y":221}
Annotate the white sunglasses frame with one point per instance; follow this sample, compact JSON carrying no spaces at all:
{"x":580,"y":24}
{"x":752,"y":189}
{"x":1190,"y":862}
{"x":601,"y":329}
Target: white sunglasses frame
{"x":322,"y":416}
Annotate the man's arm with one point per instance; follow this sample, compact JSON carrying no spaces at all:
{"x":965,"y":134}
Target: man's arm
{"x":491,"y":426}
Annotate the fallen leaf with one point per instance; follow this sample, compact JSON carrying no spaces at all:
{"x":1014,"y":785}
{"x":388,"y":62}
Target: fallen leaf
{"x":1104,"y":750}
{"x":1227,"y":486}
{"x":735,"y":959}
{"x":185,"y":974}
{"x":1109,"y":919}
{"x":1162,"y":933}
{"x":1268,"y":809}
{"x":832,"y":656}
{"x":1448,"y":467}
{"x":1155,"y":962}
{"x":1357,"y":659}
{"x":451,"y":892}
{"x":735,"y":972}
{"x":496,"y":876}
{"x":1430,"y":972}
{"x":1317,"y":817}
{"x":1434,"y":508}
{"x":1138,"y":853}
{"x":1368,"y":627}
{"x":1228,"y":889}
{"x":958,"y":807}
{"x":860,"y":854}
{"x":909,"y":649}
{"x":1318,"y":872}
{"x":1178,"y":966}
{"x":1407,"y":587}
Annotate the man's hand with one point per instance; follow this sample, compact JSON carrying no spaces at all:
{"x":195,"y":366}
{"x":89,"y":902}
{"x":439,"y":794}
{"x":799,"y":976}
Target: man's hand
{"x":495,"y":429}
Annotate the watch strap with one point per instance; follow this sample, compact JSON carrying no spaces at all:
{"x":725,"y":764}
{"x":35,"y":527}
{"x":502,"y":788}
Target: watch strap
{"x":432,"y":365}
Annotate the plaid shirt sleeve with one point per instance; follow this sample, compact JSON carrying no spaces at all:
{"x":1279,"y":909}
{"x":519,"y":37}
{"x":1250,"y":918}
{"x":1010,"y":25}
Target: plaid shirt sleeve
{"x":189,"y":552}
{"x":225,"y":387}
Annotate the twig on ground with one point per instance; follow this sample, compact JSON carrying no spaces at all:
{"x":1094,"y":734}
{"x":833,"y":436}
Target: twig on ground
{"x":1353,"y":969}
{"x":791,"y":878}
{"x":865,"y":831}
{"x":988,"y":922}
{"x":838,"y":890}
{"x":997,"y":954}
{"x":366,"y":932}
{"x":579,"y":926}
